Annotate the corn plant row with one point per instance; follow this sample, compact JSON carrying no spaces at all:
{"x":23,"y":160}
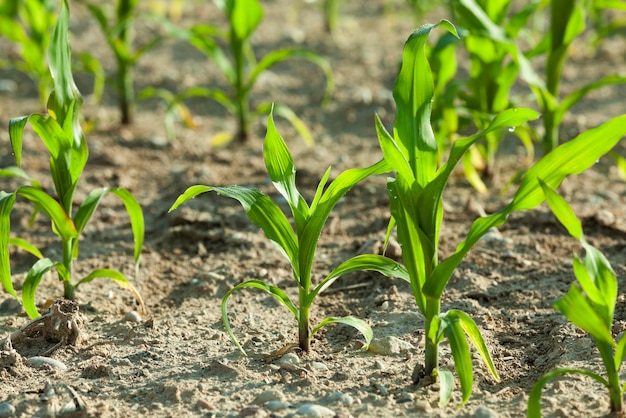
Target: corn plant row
{"x":411,"y":157}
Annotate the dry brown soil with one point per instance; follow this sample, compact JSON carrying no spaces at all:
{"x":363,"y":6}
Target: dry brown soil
{"x":178,"y":361}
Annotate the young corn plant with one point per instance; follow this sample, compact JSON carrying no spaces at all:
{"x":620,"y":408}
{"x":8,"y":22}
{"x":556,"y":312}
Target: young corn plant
{"x":416,"y":205}
{"x":299,"y":245}
{"x":61,"y":133}
{"x":567,"y":22}
{"x":590,"y":305}
{"x":28,"y":24}
{"x":118,"y":32}
{"x":488,"y":31}
{"x":239,"y":67}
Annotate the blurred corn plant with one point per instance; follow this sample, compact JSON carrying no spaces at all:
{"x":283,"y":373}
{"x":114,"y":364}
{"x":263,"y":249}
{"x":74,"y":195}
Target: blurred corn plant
{"x":590,"y":305}
{"x":299,"y":245}
{"x":237,"y":63}
{"x":117,"y":28}
{"x":567,"y":21}
{"x":489,"y":30}
{"x":416,"y":203}
{"x":28,"y":24}
{"x":60,"y":132}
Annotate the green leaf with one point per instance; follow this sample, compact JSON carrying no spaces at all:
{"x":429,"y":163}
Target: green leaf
{"x":446,"y":386}
{"x":534,"y":397}
{"x":63,"y":225}
{"x":60,"y":59}
{"x":16,"y":133}
{"x":33,"y":278}
{"x":261,"y":210}
{"x":118,"y":278}
{"x":285,"y":112}
{"x":307,"y":239}
{"x":244,"y":16}
{"x":362,"y":262}
{"x":577,"y":309}
{"x":453,"y":331}
{"x":136,"y":218}
{"x":563,"y":211}
{"x":6,"y":205}
{"x":572,"y":157}
{"x":278,"y":294}
{"x":280,"y":55}
{"x":26,"y":246}
{"x":392,"y":152}
{"x":360,"y":325}
{"x":472,"y":331}
{"x":282,"y":171}
{"x":413,"y":92}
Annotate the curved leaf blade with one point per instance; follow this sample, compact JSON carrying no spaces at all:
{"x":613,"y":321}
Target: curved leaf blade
{"x":277,"y":293}
{"x":6,"y":205}
{"x":359,"y":324}
{"x":118,"y":278}
{"x":33,"y":278}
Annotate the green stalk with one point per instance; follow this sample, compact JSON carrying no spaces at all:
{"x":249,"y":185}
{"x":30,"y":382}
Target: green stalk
{"x":304,"y":337}
{"x":125,"y":65}
{"x":431,"y":361}
{"x":126,"y":91}
{"x":68,"y":287}
{"x":615,"y":393}
{"x":241,"y":91}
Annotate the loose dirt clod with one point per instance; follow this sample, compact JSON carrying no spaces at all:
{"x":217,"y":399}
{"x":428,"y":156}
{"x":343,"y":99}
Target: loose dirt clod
{"x":61,"y":323}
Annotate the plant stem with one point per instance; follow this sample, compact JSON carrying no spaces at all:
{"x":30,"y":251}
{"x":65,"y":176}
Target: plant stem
{"x":431,"y":355}
{"x":241,"y":94}
{"x":303,"y":327}
{"x":551,"y":135}
{"x":68,"y":287}
{"x":125,"y":62}
{"x":615,"y":393}
{"x":126,"y":92}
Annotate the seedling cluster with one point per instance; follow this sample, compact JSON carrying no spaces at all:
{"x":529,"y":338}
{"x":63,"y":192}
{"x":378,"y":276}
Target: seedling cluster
{"x":419,"y":154}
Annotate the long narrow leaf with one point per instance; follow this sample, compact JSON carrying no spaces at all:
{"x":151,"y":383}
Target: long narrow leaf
{"x":563,"y":212}
{"x":281,"y":55}
{"x":360,"y":325}
{"x":278,"y":294}
{"x":572,"y":157}
{"x":460,"y":352}
{"x":31,"y":282}
{"x":118,"y":278}
{"x":282,"y":170}
{"x":362,"y":262}
{"x":136,"y":218}
{"x":534,"y":397}
{"x":472,"y":331}
{"x":44,"y":202}
{"x":6,"y":205}
{"x":262,"y":212}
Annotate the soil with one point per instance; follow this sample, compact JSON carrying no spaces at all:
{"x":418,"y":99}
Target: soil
{"x":177,"y":360}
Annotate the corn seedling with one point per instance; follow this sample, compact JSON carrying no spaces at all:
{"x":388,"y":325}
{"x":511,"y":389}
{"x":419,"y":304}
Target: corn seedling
{"x":590,"y":305}
{"x":299,"y":246}
{"x":416,"y":204}
{"x":239,"y":67}
{"x":28,"y":24}
{"x":118,"y":32}
{"x":567,"y":22}
{"x":60,"y":132}
{"x":487,"y":30}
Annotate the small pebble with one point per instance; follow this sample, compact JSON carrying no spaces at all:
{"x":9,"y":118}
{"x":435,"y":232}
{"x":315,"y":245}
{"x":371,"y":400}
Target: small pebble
{"x":316,"y":365}
{"x":289,"y":361}
{"x":389,"y":345}
{"x":405,"y":397}
{"x":268,"y":396}
{"x":133,"y":316}
{"x":379,"y":365}
{"x":485,"y":412}
{"x":276,"y":406}
{"x":38,"y":361}
{"x":315,"y":411}
{"x":422,"y":406}
{"x":6,"y":410}
{"x":10,"y":306}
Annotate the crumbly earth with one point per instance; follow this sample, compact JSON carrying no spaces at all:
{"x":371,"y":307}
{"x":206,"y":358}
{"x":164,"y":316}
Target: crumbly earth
{"x":177,"y":360}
